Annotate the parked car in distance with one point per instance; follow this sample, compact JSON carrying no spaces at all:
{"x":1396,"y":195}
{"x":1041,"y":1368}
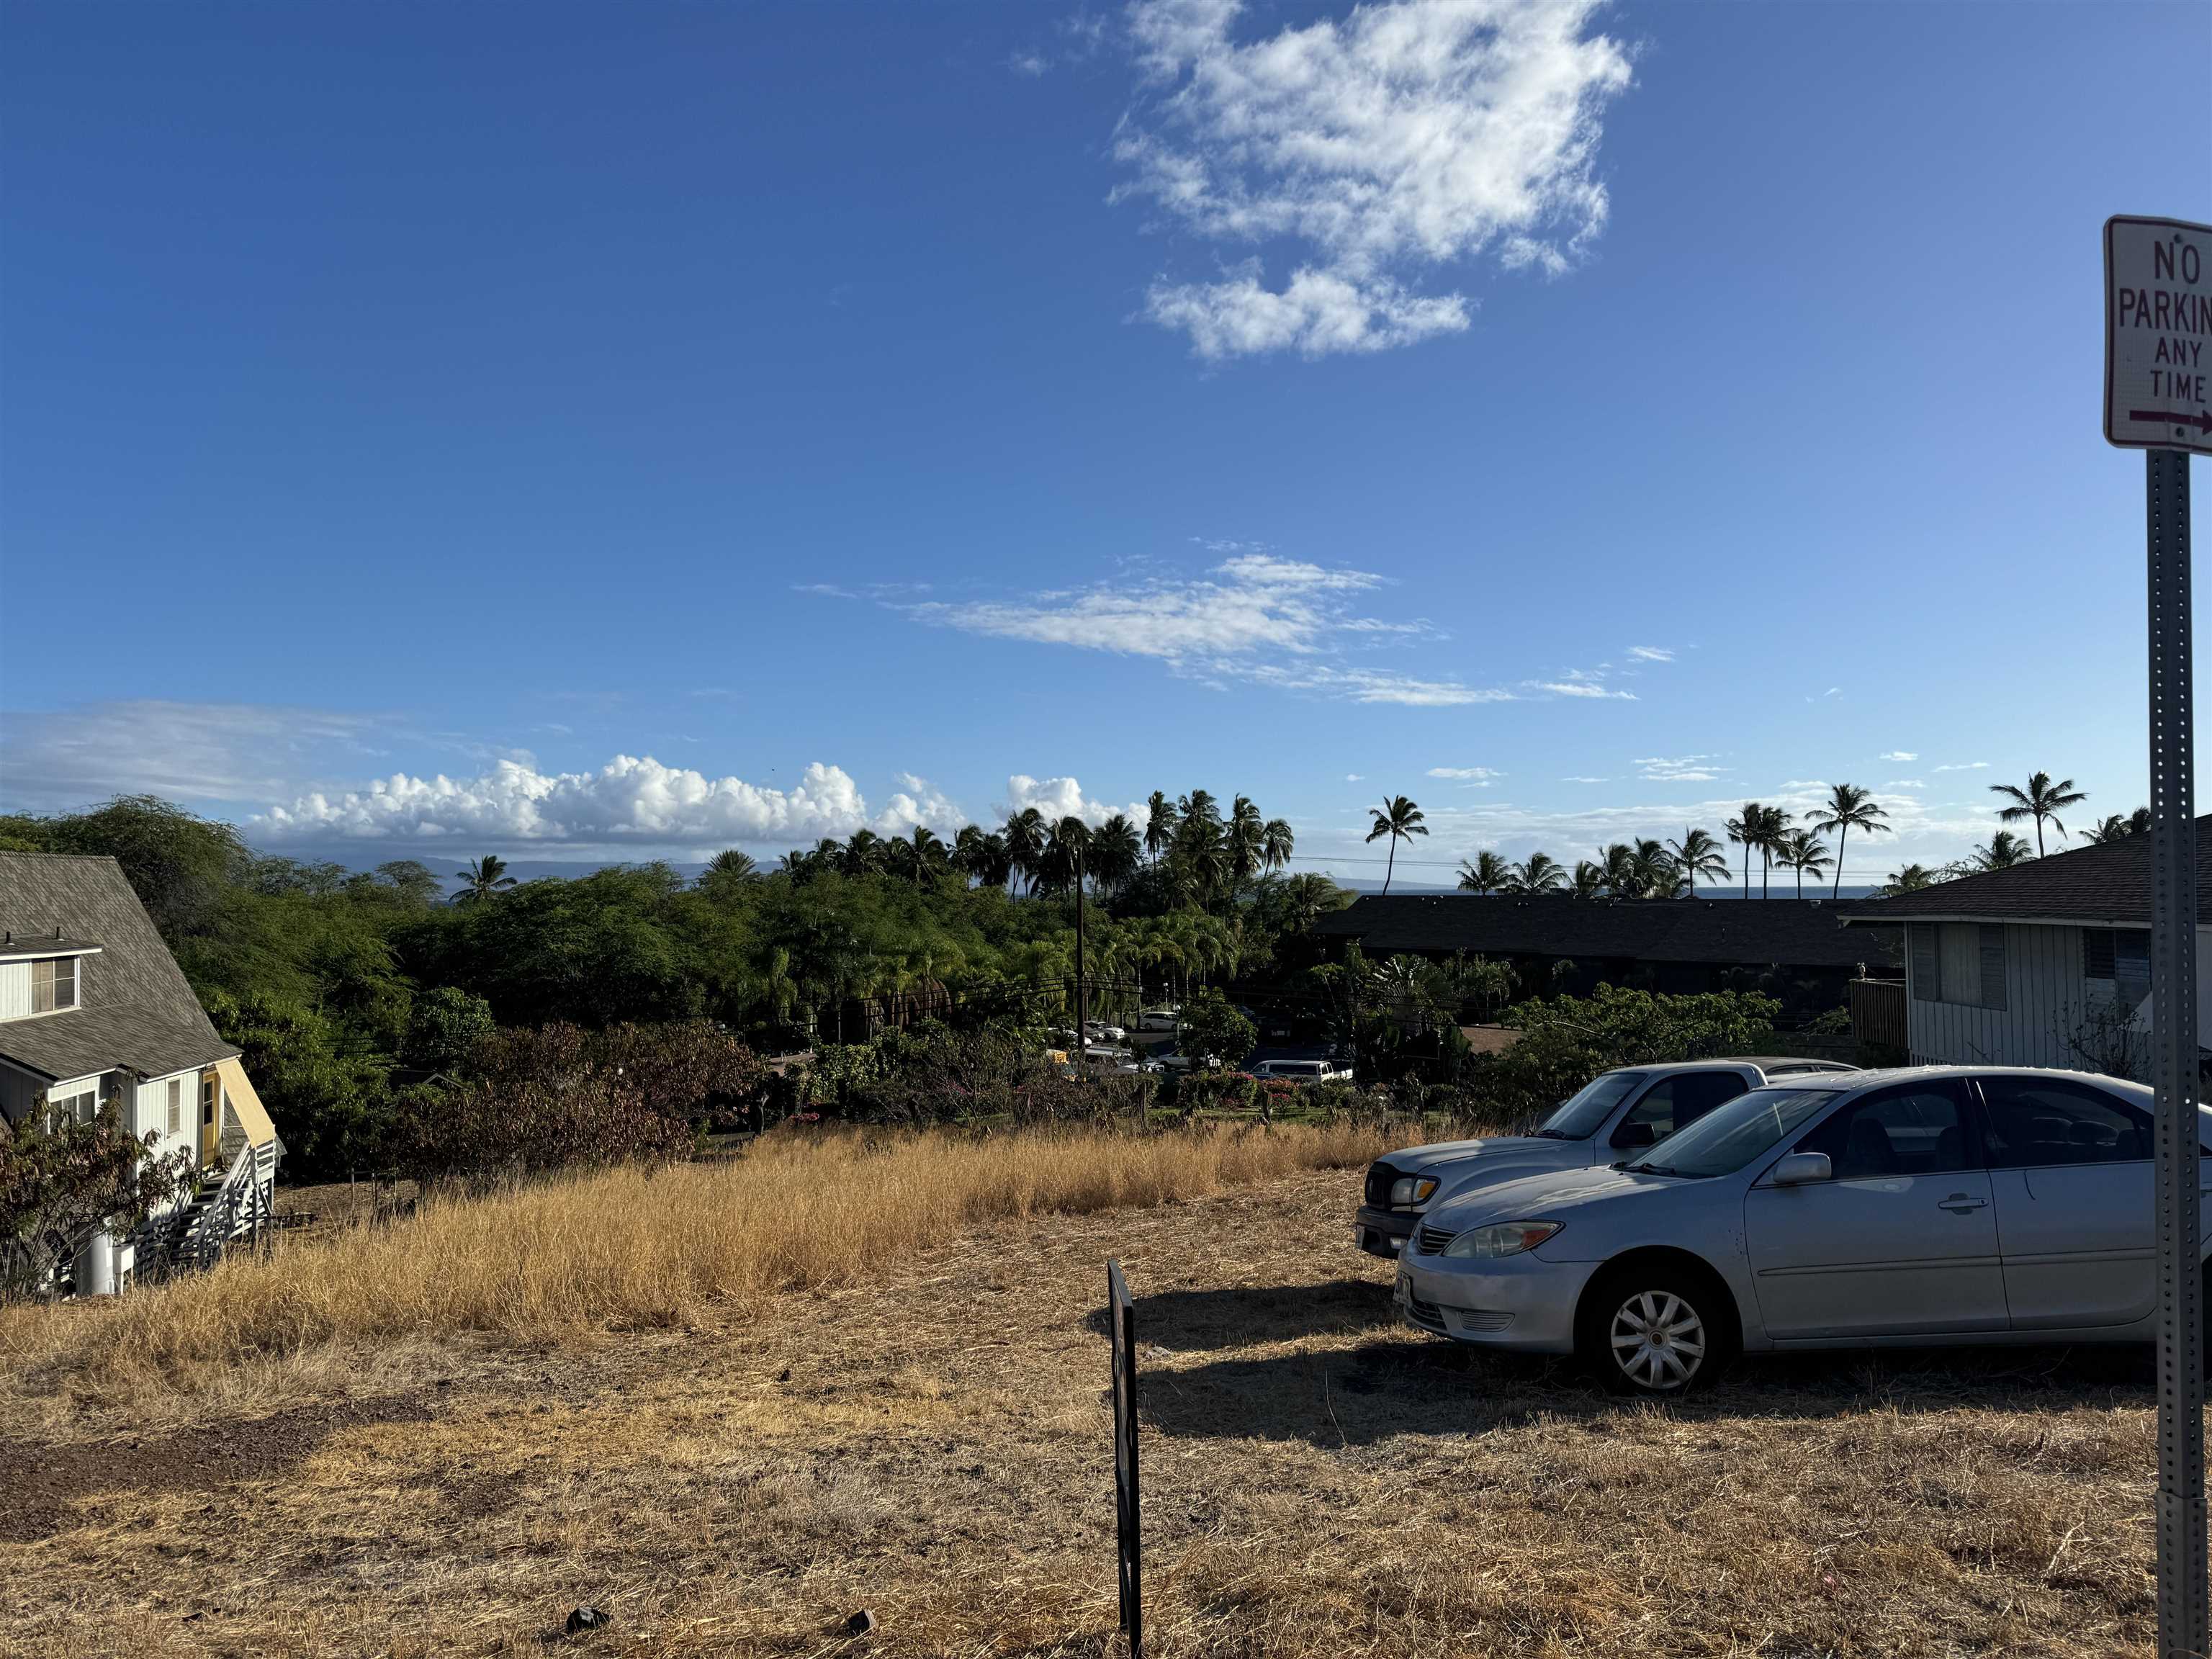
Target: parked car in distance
{"x":1304,"y":1071}
{"x":1936,"y":1204}
{"x":1098,"y":1032}
{"x":1182,"y":1062}
{"x":1158,"y":1019}
{"x":1613,"y":1116}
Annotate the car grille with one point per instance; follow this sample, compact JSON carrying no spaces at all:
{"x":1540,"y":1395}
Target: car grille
{"x":1431,"y":1241}
{"x":1483,"y":1319}
{"x":1425,"y":1314}
{"x":1380,"y":1179}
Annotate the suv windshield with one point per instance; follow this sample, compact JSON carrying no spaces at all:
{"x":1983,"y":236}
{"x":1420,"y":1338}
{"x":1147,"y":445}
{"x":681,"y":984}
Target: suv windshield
{"x":1580,"y":1118}
{"x":1730,"y":1136}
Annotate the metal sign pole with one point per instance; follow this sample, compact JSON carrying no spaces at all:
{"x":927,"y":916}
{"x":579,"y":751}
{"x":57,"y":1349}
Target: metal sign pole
{"x":2181,"y":1547}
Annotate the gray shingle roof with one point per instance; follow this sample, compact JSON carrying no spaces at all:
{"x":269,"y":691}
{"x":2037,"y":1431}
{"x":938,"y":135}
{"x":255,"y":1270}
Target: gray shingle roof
{"x":2106,"y":883}
{"x":137,"y":1009}
{"x":1724,"y":932}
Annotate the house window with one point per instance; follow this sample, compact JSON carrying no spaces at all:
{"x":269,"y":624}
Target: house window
{"x":176,"y":1105}
{"x":81,"y":1106}
{"x":1961,"y":962}
{"x":2120,"y":955}
{"x":53,"y":984}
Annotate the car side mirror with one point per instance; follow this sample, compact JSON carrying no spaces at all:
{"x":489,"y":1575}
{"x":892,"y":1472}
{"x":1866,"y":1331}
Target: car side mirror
{"x":1800,"y":1169}
{"x":1635,"y":1134}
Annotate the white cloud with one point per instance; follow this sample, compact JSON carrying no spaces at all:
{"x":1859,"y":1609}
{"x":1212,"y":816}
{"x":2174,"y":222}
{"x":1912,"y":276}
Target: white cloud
{"x":1686,"y":769}
{"x":1898,"y":755}
{"x":201,"y":751}
{"x":629,"y":800}
{"x":1062,"y":797}
{"x":1579,"y":779}
{"x":1031,"y":63}
{"x":1904,"y":783}
{"x":1580,"y":689}
{"x":1372,"y":685}
{"x":1480,"y":775}
{"x":1355,"y":777}
{"x":1407,"y":135}
{"x":1254,"y":604}
{"x":1965,"y":766}
{"x":1250,"y":602}
{"x":1651,"y":652}
{"x":918,"y":802}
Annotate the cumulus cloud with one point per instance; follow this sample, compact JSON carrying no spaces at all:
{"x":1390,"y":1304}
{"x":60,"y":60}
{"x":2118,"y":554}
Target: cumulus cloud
{"x":1062,"y":798}
{"x":629,"y":800}
{"x":1404,"y":137}
{"x":1476,"y":775}
{"x":918,"y":802}
{"x":1905,"y":755}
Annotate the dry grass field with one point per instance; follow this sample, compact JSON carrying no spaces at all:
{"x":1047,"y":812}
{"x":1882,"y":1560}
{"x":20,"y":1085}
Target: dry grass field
{"x":928,"y":1438}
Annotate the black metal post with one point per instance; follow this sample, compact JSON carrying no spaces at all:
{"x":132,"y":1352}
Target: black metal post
{"x":2181,"y":1522}
{"x":1082,"y":991}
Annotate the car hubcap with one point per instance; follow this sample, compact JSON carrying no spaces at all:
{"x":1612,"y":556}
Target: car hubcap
{"x":1658,"y":1340}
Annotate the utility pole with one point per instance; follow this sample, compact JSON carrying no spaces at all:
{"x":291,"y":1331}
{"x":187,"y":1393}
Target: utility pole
{"x":2158,"y":286}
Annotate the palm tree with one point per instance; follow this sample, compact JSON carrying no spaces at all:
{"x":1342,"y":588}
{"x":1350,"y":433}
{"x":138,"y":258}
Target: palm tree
{"x":483,"y":878}
{"x":866,"y":855}
{"x":1277,"y":842}
{"x":1849,"y":808}
{"x":1024,"y":835}
{"x":1065,"y":846}
{"x":1539,"y":872}
{"x":921,"y":857}
{"x":1743,"y":830}
{"x":1114,"y":851}
{"x":1619,"y":871}
{"x":1589,"y":881}
{"x":1802,"y":850}
{"x":1248,"y":842}
{"x":1698,"y":854}
{"x":2005,"y":851}
{"x":727,"y":871}
{"x":1774,"y":830}
{"x":1910,"y":880}
{"x":2042,"y":799}
{"x":2116,"y":828}
{"x":1489,"y":873}
{"x":1159,"y":823}
{"x":1400,"y":820}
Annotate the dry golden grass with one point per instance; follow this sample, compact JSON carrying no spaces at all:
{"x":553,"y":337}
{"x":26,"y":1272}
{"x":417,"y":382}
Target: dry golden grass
{"x":932,"y":1442}
{"x":639,"y":1248}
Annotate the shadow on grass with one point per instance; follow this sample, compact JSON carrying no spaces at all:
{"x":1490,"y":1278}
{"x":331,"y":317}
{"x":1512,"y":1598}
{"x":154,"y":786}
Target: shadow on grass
{"x":1404,"y":1383}
{"x":1187,"y":1321}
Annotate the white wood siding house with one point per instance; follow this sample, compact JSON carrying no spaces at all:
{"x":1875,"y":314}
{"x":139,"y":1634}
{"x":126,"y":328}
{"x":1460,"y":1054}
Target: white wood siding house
{"x":95,"y":1015}
{"x":2044,"y":964}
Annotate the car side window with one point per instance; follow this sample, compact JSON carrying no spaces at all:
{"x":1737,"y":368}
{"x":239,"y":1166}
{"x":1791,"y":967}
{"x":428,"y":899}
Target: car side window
{"x":2037,"y":1122}
{"x":1675,"y":1102}
{"x":1917,"y":1129}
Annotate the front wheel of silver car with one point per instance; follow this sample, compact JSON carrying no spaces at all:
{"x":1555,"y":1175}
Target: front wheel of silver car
{"x":1658,"y":1333}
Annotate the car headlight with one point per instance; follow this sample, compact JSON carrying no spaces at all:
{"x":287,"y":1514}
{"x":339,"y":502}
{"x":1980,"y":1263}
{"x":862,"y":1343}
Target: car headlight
{"x":1502,"y":1238}
{"x":1409,"y":1190}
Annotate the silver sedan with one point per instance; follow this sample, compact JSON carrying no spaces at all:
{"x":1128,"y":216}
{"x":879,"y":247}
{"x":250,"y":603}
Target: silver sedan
{"x":1936,"y":1204}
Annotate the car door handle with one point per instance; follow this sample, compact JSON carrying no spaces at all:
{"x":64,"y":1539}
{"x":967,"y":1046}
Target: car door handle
{"x":1958,"y":1204}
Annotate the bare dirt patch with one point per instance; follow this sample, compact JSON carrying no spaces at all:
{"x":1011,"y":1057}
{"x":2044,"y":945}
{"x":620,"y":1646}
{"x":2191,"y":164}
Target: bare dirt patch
{"x":934,"y":1446}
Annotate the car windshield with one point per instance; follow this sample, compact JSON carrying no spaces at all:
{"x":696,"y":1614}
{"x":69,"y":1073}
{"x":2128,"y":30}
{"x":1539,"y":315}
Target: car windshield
{"x":1731,"y":1136}
{"x":1581,"y":1117}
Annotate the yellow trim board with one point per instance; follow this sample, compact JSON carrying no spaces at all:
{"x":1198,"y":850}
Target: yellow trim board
{"x":245,"y":1105}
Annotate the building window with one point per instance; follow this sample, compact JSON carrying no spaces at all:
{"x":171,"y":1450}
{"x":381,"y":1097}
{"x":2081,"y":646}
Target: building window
{"x":53,"y":985}
{"x":1961,"y":962}
{"x":2121,"y":955}
{"x":176,"y":1105}
{"x":79,"y":1107}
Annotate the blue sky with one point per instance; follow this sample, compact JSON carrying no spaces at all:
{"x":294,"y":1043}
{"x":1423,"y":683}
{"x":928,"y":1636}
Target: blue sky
{"x":584,"y":431}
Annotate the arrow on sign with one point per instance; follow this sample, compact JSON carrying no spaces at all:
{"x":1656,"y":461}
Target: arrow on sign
{"x":2202,"y":420}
